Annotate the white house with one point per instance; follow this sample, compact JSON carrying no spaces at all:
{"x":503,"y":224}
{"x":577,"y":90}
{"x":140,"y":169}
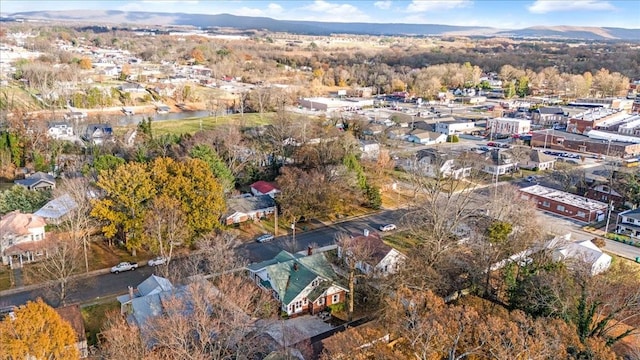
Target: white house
{"x":433,"y":163}
{"x":628,"y":223}
{"x":586,"y":251}
{"x":55,"y":210}
{"x":382,"y":259}
{"x":57,"y":130}
{"x":508,"y":126}
{"x":370,"y":149}
{"x":499,"y":162}
{"x":425,"y":137}
{"x":264,"y":188}
{"x":21,"y":237}
{"x":454,"y":127}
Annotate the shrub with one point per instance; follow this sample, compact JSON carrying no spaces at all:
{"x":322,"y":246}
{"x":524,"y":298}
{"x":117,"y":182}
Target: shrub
{"x":599,"y":242}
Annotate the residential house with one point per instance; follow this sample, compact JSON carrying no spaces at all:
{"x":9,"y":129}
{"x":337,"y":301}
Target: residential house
{"x":508,"y":126}
{"x":606,"y":194}
{"x":55,"y":210}
{"x":433,"y":163}
{"x":382,"y":259}
{"x":38,"y":181}
{"x":302,"y":283}
{"x":73,"y":316}
{"x":425,"y":137}
{"x":628,"y":223}
{"x":146,"y":300}
{"x":246,"y":208}
{"x":370,"y":149}
{"x":397,"y":134}
{"x":98,"y":133}
{"x":264,"y":188}
{"x":498,"y":162}
{"x":454,"y":127}
{"x":133,"y":88}
{"x":22,"y":237}
{"x":57,"y":130}
{"x":537,"y":160}
{"x":584,"y":251}
{"x":572,"y":206}
{"x":76,"y":116}
{"x":549,"y":115}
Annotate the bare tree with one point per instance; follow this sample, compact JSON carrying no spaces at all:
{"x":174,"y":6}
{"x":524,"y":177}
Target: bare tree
{"x":74,"y":195}
{"x":57,"y":270}
{"x":356,"y":253}
{"x":165,"y":226}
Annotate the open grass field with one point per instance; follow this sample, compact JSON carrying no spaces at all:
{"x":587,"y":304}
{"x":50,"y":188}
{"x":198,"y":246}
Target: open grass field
{"x":401,"y":241}
{"x":193,"y":125}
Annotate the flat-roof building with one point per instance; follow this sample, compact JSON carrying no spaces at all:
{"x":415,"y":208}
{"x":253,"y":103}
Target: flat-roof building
{"x":565,"y":204}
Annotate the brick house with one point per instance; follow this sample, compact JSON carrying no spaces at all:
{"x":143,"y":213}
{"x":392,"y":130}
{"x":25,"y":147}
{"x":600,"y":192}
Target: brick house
{"x":565,"y":204}
{"x":605,"y":194}
{"x":302,"y":283}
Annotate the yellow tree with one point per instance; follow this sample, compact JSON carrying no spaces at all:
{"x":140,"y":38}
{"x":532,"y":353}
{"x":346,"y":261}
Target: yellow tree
{"x":85,"y":63}
{"x":193,"y":184}
{"x":37,"y":332}
{"x":128,"y":190}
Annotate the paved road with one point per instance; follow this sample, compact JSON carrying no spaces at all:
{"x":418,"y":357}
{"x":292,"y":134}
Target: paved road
{"x":102,"y":285}
{"x":256,"y":252}
{"x":87,"y":289}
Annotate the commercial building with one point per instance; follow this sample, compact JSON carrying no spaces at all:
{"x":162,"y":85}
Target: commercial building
{"x":565,"y":204}
{"x":508,"y":126}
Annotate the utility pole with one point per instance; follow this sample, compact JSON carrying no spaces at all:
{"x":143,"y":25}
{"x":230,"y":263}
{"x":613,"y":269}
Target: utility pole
{"x":610,"y":207}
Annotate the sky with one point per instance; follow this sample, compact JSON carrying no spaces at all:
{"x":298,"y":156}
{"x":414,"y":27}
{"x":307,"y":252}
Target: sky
{"x":498,"y":14}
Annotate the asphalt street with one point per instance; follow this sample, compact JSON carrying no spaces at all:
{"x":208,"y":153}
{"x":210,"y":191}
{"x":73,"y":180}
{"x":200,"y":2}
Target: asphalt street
{"x":99,"y":286}
{"x":85,"y":289}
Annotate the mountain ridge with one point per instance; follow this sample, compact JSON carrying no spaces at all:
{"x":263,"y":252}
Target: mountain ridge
{"x":145,"y":18}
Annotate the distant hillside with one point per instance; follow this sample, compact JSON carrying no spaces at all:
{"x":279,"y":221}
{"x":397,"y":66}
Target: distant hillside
{"x":574,"y":32}
{"x":321,"y":28}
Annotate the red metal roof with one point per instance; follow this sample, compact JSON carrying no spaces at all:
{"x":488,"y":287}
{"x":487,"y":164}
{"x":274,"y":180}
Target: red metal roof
{"x":263,"y":187}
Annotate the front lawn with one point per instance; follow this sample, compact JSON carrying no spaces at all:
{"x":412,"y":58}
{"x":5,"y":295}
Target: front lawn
{"x":94,"y":317}
{"x":401,"y":241}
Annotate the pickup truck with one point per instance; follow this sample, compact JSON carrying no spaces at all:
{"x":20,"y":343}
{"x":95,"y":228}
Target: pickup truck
{"x":124,"y":266}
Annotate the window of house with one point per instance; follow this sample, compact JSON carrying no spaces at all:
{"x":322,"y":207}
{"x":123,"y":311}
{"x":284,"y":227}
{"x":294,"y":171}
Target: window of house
{"x":546,"y":204}
{"x":581,"y":214}
{"x":321,"y":301}
{"x":315,"y":282}
{"x":560,"y":207}
{"x":305,"y":302}
{"x":335,"y":298}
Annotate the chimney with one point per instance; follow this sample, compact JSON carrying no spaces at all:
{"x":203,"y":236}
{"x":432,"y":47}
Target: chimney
{"x":366,"y":232}
{"x":130,"y":292}
{"x":295,"y":266}
{"x":309,"y":250}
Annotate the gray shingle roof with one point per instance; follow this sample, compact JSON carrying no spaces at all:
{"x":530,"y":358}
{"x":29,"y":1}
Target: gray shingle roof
{"x":249,"y":204}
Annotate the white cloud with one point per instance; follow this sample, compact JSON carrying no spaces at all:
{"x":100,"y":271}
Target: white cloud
{"x":321,"y":10}
{"x":547,"y":6}
{"x":384,"y":5}
{"x":436,"y":5}
{"x":274,"y":8}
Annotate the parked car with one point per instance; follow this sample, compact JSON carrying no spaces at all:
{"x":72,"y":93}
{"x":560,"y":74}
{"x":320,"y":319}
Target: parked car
{"x":160,"y":260}
{"x":265,"y":238}
{"x":388,"y":227}
{"x":124,"y":266}
{"x":531,"y":179}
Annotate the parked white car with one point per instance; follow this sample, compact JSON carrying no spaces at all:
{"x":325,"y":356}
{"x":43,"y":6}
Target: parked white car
{"x":388,"y":227}
{"x":160,"y":260}
{"x":265,"y":238}
{"x":124,"y":266}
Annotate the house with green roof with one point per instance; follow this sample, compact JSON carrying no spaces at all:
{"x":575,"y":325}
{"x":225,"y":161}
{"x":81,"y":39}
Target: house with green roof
{"x":302,"y":283}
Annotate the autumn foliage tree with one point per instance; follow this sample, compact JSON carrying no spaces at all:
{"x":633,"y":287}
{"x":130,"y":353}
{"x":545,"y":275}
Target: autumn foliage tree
{"x":132,"y":191}
{"x":37,"y":332}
